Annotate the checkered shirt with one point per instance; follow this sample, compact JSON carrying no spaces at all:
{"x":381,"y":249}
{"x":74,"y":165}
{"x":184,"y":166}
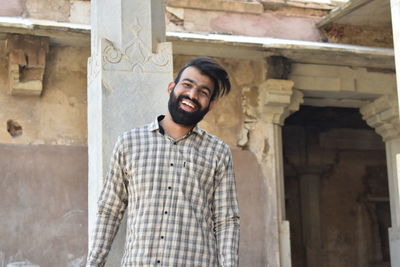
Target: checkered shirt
{"x":181,"y":201}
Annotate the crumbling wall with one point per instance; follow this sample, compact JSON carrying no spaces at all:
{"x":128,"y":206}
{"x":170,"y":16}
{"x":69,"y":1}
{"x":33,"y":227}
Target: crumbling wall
{"x":58,"y":116}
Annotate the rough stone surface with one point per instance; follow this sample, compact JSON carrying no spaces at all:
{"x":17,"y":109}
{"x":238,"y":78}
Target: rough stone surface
{"x":57,"y":10}
{"x":26,"y":63}
{"x":359,"y":35}
{"x":79,"y":12}
{"x":11,"y":8}
{"x":267,"y":24}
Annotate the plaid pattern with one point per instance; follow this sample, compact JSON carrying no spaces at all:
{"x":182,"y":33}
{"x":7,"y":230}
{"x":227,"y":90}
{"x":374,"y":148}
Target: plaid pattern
{"x":182,"y":207}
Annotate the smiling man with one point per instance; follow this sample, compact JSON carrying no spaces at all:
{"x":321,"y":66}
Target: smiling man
{"x":176,"y":181}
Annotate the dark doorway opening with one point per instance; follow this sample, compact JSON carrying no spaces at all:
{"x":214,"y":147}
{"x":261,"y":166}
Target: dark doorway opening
{"x":336,"y":189}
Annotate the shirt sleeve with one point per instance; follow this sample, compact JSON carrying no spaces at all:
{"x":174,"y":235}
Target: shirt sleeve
{"x":226,"y":214}
{"x":111,"y":207}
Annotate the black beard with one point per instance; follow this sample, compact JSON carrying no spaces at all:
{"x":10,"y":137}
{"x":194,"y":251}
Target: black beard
{"x":183,"y":117}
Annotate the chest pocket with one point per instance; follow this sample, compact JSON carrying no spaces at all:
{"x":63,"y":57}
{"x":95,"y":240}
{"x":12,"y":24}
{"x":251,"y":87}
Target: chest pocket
{"x":197,"y":182}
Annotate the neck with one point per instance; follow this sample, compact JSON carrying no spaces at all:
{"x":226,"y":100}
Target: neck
{"x":173,"y":129}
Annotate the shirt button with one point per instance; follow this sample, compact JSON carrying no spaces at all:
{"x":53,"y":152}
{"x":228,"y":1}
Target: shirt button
{"x":172,"y":164}
{"x":158,"y":262}
{"x":169,"y":188}
{"x":165,"y":212}
{"x":162,"y":237}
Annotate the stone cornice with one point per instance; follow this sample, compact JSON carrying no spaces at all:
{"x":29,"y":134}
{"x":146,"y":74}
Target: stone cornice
{"x":231,"y":46}
{"x":221,"y":5}
{"x":277,"y":100}
{"x":383,"y":115}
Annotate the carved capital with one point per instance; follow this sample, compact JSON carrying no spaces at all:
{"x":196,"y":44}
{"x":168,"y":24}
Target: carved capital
{"x":275,"y":100}
{"x":271,"y":103}
{"x":26,"y":63}
{"x":383,"y":115}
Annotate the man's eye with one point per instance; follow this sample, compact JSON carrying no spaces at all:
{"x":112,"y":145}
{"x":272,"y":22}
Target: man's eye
{"x":186,"y":84}
{"x":205,"y":92}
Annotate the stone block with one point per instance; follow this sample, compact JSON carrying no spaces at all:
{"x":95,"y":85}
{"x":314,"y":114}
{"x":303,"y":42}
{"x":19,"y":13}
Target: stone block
{"x":317,"y":83}
{"x":26,"y":63}
{"x":222,"y":5}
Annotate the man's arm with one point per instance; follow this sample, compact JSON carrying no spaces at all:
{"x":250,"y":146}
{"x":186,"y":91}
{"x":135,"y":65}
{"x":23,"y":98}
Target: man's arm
{"x":226,"y":214}
{"x":111,"y":206}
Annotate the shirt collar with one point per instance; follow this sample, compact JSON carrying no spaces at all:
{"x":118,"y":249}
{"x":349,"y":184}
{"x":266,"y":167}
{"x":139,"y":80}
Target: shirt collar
{"x":154,"y":126}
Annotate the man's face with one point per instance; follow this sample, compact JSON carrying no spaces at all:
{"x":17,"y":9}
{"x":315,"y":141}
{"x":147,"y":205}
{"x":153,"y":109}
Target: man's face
{"x":190,"y":99}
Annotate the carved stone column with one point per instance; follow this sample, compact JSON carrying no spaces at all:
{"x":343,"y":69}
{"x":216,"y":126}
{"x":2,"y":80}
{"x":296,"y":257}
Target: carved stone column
{"x":129,"y":71}
{"x":265,"y":109}
{"x":383,"y":116}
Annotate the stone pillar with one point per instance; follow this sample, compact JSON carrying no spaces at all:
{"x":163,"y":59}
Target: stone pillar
{"x":262,"y":134}
{"x":383,"y":116}
{"x":310,"y":199}
{"x":395,"y":12}
{"x":128,"y":74}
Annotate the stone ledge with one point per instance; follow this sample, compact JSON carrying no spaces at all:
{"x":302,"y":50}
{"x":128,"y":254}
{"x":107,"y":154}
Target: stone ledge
{"x":233,"y":46}
{"x":59,"y":32}
{"x":299,"y":3}
{"x":222,"y":5}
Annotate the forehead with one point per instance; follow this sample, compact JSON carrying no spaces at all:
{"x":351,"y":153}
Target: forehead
{"x":197,"y":77}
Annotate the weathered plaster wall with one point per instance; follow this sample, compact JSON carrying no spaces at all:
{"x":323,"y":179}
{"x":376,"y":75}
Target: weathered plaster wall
{"x":43,"y":210}
{"x":271,"y":23}
{"x":75,"y":11}
{"x":59,"y":115}
{"x":43,"y":192}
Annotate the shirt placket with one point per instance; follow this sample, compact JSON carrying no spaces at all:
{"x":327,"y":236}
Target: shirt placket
{"x":169,"y":189}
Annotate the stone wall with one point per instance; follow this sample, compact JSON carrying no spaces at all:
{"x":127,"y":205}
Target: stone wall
{"x":46,"y":164}
{"x":43,"y":163}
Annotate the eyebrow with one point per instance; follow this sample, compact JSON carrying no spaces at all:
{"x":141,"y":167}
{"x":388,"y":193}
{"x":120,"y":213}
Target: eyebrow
{"x":202,"y":86}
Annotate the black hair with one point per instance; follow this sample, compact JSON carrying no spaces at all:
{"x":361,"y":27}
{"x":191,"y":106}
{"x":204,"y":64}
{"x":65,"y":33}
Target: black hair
{"x":210,"y":68}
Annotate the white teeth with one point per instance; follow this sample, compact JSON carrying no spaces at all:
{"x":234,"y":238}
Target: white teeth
{"x":188,"y":103}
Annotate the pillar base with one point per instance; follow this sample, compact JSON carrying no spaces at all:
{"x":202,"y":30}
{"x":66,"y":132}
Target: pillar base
{"x":394,"y":243}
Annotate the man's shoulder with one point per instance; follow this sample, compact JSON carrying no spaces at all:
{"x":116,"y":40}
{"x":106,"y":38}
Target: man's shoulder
{"x":137,"y":132}
{"x":215,"y":141}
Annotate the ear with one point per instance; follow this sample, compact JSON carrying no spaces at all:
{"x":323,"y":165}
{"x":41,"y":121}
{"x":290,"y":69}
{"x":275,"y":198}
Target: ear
{"x":171,"y":86}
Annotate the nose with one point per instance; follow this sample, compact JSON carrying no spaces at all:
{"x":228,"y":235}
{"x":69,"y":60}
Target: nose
{"x":193,"y":93}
